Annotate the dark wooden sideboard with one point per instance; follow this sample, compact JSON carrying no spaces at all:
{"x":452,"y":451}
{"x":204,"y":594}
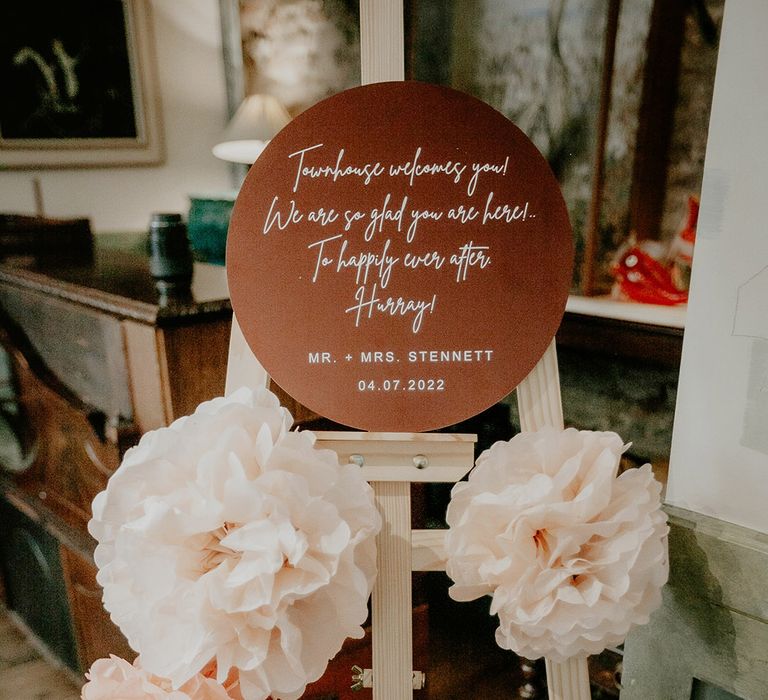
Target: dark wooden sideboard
{"x":93,"y":358}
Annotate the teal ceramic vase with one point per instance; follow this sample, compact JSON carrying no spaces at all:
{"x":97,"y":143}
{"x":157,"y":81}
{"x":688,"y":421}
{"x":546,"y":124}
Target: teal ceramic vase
{"x":207,"y":225}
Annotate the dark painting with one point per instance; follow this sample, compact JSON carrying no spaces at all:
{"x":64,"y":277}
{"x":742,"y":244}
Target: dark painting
{"x":65,"y":70}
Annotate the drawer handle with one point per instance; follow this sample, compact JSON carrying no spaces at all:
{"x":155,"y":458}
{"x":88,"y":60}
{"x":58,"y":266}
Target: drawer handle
{"x":87,"y":592}
{"x":94,"y":457}
{"x":26,"y":441}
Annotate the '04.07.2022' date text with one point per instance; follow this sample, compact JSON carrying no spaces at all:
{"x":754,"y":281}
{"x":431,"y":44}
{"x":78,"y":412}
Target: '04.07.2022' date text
{"x":435,"y":384}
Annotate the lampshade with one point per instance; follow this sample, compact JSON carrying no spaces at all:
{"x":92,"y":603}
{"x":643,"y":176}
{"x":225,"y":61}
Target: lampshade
{"x":256,"y":121}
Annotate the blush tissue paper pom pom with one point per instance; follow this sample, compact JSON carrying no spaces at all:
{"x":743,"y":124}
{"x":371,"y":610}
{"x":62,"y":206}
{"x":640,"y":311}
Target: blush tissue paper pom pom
{"x":116,"y":679}
{"x":572,"y":555}
{"x":226,"y":537}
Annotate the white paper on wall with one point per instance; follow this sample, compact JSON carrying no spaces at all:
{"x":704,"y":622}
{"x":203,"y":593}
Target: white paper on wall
{"x":719,"y":461}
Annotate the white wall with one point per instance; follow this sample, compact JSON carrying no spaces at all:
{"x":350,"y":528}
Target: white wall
{"x":191,"y":75}
{"x":719,"y":460}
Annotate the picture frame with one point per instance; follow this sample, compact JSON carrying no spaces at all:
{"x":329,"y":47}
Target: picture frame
{"x":82,"y":86}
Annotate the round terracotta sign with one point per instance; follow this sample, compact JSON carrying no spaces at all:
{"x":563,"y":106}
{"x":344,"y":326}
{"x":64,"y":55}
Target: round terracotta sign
{"x":399,"y":257}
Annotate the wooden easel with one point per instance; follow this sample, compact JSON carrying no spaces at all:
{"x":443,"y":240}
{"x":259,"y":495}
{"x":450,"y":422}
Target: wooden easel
{"x":392,"y":461}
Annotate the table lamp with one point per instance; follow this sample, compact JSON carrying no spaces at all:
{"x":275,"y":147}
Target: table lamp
{"x":256,"y":121}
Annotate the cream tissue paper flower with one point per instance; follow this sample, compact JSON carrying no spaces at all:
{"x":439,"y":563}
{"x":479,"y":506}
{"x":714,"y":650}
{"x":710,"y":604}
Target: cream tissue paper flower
{"x":572,"y":555}
{"x":116,"y":679}
{"x":226,"y":537}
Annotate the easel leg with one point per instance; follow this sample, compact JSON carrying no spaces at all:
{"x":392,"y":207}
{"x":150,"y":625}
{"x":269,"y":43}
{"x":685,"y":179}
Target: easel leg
{"x":568,"y":680}
{"x":392,"y":605}
{"x":538,"y":398}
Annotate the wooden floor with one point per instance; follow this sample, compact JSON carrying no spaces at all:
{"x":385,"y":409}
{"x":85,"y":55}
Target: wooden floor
{"x":25,"y":674}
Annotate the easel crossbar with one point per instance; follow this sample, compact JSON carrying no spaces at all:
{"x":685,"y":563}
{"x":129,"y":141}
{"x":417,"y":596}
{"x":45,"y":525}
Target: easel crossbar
{"x":412,"y":457}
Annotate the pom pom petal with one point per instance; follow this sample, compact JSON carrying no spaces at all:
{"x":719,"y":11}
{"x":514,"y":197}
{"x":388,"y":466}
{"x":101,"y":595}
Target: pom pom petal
{"x":572,"y":555}
{"x":226,"y":537}
{"x":116,"y":679}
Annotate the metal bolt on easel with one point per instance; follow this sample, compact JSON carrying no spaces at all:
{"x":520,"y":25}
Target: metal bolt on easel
{"x":363,"y":678}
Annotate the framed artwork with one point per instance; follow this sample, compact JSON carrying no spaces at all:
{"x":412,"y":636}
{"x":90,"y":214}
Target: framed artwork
{"x":79,"y":86}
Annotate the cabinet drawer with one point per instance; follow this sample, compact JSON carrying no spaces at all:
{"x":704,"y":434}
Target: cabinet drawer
{"x":34,"y":582}
{"x":83,"y":348}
